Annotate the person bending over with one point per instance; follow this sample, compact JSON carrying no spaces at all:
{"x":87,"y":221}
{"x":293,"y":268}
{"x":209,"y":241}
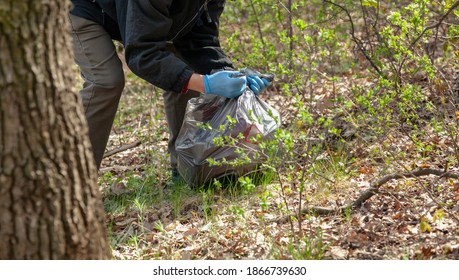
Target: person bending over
{"x":172,"y":44}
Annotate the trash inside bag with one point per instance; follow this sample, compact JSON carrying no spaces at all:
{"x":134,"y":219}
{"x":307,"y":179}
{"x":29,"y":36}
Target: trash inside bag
{"x":208,"y":117}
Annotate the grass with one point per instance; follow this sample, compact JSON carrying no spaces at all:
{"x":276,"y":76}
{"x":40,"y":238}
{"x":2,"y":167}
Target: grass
{"x":151,"y":217}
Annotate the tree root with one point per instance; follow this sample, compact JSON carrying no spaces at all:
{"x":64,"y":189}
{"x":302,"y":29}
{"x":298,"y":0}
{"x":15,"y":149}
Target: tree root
{"x":372,"y":190}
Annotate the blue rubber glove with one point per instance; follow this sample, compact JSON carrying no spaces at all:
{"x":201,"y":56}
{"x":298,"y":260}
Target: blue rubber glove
{"x":257,"y":84}
{"x":229,"y":84}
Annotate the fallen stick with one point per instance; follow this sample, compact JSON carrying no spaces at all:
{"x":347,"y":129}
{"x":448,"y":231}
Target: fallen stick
{"x":120,"y":168}
{"x":122,"y":148}
{"x":372,"y":190}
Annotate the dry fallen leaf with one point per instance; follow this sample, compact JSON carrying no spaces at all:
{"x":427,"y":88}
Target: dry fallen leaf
{"x":366,"y":170}
{"x":125,"y":222}
{"x":118,"y":188}
{"x":191,"y":232}
{"x":339,"y":253}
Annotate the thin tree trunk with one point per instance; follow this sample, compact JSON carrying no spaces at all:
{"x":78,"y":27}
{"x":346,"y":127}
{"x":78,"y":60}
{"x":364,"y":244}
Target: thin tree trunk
{"x":50,"y":206}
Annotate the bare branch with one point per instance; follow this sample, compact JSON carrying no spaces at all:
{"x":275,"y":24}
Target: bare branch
{"x":355,"y":39}
{"x":374,"y":189}
{"x":119,"y":168}
{"x":122,"y":148}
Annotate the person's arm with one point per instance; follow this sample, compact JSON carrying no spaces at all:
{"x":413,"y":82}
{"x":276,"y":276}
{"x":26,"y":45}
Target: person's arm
{"x":200,"y":48}
{"x":144,"y":27}
{"x":229,"y":84}
{"x":196,"y":83}
{"x":144,"y":34}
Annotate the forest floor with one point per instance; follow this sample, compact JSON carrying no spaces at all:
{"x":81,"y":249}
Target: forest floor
{"x":150,"y":217}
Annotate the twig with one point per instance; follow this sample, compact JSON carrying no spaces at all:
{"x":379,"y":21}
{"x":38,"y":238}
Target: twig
{"x":433,"y":26}
{"x":122,"y":148}
{"x":284,"y":196}
{"x":355,"y":39}
{"x":120,"y":168}
{"x":257,"y":19}
{"x":374,"y":189}
{"x":436,"y":25}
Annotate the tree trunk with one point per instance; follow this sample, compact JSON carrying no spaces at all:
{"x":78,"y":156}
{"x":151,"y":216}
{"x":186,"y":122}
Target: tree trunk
{"x":50,"y":205}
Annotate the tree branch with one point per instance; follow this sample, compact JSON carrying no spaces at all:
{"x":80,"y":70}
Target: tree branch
{"x":374,"y":189}
{"x":119,"y":168}
{"x":433,"y":26}
{"x":450,"y":10}
{"x":357,"y":41}
{"x":122,"y":148}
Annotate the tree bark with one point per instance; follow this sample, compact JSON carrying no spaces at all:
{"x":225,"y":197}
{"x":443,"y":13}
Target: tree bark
{"x":50,"y":205}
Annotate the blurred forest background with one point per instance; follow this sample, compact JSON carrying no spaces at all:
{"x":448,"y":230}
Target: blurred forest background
{"x":368,"y":93}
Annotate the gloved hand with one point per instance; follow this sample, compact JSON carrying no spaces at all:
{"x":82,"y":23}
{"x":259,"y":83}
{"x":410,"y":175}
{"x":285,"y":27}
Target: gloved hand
{"x":229,"y":84}
{"x":257,"y":81}
{"x":257,"y":84}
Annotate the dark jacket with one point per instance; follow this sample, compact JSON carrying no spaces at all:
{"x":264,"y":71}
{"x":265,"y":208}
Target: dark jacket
{"x":145,"y":27}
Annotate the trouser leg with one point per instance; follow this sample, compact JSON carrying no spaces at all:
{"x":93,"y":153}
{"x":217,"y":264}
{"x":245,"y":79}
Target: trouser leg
{"x":175,"y":106}
{"x":103,"y":77}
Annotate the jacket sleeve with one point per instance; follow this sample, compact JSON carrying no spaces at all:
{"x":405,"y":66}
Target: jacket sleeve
{"x":200,"y":48}
{"x":145,"y":38}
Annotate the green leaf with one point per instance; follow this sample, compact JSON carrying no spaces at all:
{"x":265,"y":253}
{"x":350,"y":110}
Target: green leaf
{"x":370,"y":3}
{"x":438,"y":215}
{"x":425,"y":227}
{"x":445,"y":46}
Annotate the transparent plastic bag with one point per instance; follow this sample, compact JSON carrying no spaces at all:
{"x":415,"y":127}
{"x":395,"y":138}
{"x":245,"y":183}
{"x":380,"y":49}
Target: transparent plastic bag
{"x":195,"y":144}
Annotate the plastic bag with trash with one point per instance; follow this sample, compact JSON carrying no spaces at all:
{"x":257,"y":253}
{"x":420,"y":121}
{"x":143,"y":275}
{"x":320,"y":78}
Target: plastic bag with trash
{"x":210,"y":116}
